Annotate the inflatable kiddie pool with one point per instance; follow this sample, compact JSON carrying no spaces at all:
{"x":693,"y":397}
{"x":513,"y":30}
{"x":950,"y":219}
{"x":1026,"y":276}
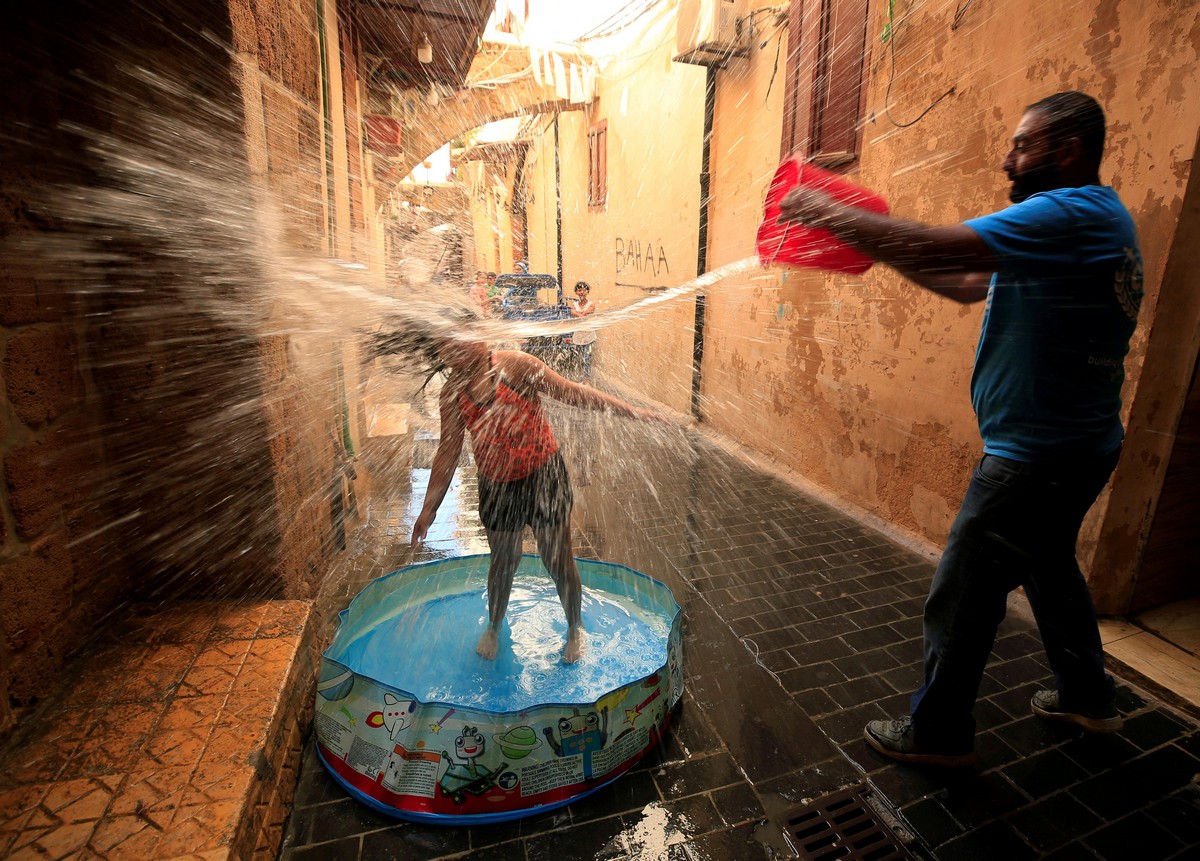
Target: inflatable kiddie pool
{"x":410,"y":721}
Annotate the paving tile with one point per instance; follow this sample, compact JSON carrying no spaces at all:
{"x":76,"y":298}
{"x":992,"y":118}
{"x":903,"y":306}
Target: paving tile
{"x":106,"y":752}
{"x":513,"y":851}
{"x":598,"y":840}
{"x":994,"y":840}
{"x":220,"y":780}
{"x":191,"y":713}
{"x":987,"y":714}
{"x":855,"y":692}
{"x":126,"y":837}
{"x":1098,"y":753}
{"x":846,"y":724}
{"x":238,"y":621}
{"x":64,"y":840}
{"x":654,"y":829}
{"x":284,"y":619}
{"x":178,"y":748}
{"x":930,"y":821}
{"x":340,"y":819}
{"x":40,"y":760}
{"x":1134,"y":838}
{"x":690,"y":735}
{"x":1045,"y":773}
{"x":315,"y":785}
{"x":1030,"y":735}
{"x":1179,"y":814}
{"x":154,"y":793}
{"x":783,"y":792}
{"x":200,"y":828}
{"x":208,"y":680}
{"x":742,"y":842}
{"x":1016,"y":645}
{"x":18,"y":806}
{"x":1137,"y":782}
{"x":902,"y":785}
{"x":184,"y":622}
{"x":1018,"y":671}
{"x":813,"y":702}
{"x":1074,"y":851}
{"x":267,"y":665}
{"x":679,"y":779}
{"x":630,"y":792}
{"x":814,"y":652}
{"x":873,"y":638}
{"x":72,"y":801}
{"x":992,"y":752}
{"x":1152,"y":728}
{"x":1054,"y":822}
{"x":820,"y":629}
{"x":737,"y":804}
{"x":507,"y":833}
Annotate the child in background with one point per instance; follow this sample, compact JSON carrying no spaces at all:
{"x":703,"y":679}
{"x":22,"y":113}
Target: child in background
{"x":584,"y":338}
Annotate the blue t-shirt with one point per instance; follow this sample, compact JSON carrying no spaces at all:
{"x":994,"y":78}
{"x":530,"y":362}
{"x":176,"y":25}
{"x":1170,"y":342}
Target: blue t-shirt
{"x":1061,"y":308}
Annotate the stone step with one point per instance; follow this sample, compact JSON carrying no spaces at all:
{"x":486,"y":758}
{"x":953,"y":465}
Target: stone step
{"x":179,"y":739}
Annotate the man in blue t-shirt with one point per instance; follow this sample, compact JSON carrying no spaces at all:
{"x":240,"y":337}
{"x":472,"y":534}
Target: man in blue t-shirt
{"x":1062,"y":275}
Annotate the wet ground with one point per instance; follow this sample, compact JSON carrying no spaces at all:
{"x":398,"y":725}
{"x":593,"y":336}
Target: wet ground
{"x":801,"y":624}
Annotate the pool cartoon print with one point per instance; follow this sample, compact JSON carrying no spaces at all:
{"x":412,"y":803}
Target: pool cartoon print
{"x":436,"y":762}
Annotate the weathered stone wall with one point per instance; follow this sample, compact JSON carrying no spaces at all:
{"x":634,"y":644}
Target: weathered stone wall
{"x":860,"y":383}
{"x":167,"y":429}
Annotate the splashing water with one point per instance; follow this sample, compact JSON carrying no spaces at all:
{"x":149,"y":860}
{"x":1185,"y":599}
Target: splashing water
{"x":208,"y":314}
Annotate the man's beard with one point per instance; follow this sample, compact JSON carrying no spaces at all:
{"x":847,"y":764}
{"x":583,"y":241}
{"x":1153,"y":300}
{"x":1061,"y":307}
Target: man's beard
{"x":1035,"y":179}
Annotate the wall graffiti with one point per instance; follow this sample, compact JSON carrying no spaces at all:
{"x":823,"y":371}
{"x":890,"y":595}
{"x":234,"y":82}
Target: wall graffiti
{"x":633,"y":257}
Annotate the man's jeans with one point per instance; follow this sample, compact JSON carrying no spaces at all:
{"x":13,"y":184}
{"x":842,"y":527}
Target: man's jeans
{"x":1017,"y":527}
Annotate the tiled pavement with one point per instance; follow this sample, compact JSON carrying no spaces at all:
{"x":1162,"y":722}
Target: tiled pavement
{"x":800,"y":625}
{"x":179,"y":739}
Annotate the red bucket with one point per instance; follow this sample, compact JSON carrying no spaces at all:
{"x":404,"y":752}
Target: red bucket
{"x":811,"y":247}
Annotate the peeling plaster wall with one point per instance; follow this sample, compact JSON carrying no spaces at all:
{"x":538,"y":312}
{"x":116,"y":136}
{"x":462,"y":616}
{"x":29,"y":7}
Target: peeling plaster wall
{"x":860,"y":384}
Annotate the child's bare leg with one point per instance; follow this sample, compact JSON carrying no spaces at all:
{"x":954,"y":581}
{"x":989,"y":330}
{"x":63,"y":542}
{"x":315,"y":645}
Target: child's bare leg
{"x":505,"y":557}
{"x":554,"y":543}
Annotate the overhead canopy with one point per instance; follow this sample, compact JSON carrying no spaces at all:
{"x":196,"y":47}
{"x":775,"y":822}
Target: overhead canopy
{"x":392,"y":32}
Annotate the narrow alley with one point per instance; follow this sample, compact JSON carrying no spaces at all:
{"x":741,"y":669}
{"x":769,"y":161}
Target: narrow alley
{"x":800,"y":625}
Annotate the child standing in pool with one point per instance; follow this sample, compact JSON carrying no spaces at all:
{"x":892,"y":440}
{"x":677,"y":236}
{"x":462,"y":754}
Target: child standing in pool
{"x":496,"y":395}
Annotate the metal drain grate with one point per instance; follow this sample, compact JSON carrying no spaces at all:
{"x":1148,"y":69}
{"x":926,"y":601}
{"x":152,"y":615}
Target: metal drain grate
{"x":848,"y":824}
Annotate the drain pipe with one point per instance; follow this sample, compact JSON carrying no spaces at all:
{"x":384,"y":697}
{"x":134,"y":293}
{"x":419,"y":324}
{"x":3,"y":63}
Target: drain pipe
{"x":327,"y":137}
{"x":558,"y":205}
{"x":710,"y":102}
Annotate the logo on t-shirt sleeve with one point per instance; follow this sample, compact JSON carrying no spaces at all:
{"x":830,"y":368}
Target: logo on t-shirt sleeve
{"x":1128,"y":283}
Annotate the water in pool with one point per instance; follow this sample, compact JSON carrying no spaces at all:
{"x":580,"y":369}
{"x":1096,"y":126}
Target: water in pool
{"x":429,"y":649}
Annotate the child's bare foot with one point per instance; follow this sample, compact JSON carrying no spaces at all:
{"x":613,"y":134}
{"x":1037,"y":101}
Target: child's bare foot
{"x":573,"y":650}
{"x":488,"y":645}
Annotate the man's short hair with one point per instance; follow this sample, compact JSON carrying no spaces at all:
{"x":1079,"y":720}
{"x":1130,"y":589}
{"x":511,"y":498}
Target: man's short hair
{"x":1073,"y":114}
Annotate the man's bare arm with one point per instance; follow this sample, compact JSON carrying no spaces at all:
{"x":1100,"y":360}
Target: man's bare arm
{"x":937,"y":258}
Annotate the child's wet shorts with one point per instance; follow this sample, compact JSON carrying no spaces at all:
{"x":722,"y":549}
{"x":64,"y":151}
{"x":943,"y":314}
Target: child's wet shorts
{"x":542,"y":498}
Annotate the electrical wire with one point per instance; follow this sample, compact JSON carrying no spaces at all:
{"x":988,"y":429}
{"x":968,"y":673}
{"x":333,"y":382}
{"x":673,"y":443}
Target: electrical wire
{"x":889,"y":35}
{"x":616,"y":22}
